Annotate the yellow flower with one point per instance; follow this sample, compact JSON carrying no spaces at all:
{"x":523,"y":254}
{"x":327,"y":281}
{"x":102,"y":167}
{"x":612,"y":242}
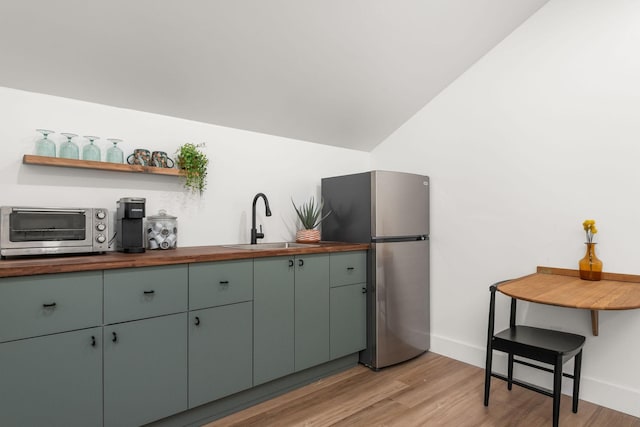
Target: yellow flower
{"x":589,"y":226}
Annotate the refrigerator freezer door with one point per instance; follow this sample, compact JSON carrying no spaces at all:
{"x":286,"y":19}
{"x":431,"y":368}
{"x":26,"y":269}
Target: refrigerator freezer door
{"x":401,"y":299}
{"x":400,"y":205}
{"x":349,"y":200}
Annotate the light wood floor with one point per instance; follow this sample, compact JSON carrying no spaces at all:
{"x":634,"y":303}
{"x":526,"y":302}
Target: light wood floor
{"x":430,"y":390}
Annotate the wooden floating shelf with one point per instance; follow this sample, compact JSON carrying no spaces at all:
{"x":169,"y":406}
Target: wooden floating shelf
{"x":30,"y":159}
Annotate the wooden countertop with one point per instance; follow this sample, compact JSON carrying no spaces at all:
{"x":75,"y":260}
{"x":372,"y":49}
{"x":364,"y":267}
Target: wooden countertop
{"x":28,"y":266}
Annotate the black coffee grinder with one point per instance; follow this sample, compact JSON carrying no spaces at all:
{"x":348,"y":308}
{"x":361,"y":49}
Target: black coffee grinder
{"x":129,"y":225}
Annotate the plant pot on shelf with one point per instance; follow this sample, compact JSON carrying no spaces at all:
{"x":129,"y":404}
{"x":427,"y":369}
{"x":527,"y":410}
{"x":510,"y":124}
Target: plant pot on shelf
{"x":308,"y":236}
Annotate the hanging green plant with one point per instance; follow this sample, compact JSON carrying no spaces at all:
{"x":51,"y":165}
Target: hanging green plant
{"x":193,"y":164}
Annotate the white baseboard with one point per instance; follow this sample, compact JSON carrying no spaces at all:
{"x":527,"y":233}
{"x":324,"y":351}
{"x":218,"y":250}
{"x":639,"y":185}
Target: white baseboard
{"x":601,"y":393}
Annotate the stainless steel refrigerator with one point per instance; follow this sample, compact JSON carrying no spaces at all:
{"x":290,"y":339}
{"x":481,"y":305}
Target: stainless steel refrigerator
{"x":389,"y":210}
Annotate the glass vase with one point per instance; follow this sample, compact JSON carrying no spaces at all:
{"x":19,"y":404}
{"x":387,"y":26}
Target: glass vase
{"x":590,"y":265}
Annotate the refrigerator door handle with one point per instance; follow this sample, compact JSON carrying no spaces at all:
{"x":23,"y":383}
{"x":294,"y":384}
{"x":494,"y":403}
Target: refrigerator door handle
{"x":391,"y":239}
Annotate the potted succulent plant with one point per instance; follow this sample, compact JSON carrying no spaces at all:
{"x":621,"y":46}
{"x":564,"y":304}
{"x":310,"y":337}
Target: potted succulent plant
{"x":193,"y":164}
{"x":310,"y":216}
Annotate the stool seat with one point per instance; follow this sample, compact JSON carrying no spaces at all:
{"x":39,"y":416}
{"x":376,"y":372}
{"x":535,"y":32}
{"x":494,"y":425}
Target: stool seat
{"x":543,"y":345}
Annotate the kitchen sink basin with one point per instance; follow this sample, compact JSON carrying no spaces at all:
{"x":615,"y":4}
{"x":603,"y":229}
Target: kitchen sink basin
{"x":271,"y":246}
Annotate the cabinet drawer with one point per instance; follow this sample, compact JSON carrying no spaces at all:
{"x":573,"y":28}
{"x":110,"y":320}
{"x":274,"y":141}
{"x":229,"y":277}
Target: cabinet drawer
{"x":348,"y":268}
{"x":49,"y":303}
{"x":219,"y":283}
{"x":138,"y":293}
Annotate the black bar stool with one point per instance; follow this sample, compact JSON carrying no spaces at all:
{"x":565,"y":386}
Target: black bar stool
{"x":541,"y":345}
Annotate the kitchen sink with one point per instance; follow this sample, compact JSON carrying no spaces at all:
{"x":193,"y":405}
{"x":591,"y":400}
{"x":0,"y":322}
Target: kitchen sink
{"x":271,"y":246}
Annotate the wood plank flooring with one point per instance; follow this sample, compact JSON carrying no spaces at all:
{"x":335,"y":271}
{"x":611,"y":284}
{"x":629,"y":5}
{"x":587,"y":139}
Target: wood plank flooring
{"x":431,"y":390}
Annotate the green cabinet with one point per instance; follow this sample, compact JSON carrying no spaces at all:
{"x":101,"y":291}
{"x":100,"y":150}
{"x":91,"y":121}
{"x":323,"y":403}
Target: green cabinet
{"x":311,"y":310}
{"x":291,"y":315}
{"x":129,"y":346}
{"x":348,"y":319}
{"x":54,"y":380}
{"x":220,"y":352}
{"x":273,"y":317}
{"x":145,"y":344}
{"x":348,"y":303}
{"x":49,"y":375}
{"x":145,"y":370}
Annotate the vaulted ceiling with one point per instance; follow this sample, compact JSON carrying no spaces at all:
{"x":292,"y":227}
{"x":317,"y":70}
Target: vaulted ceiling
{"x":337,"y":72}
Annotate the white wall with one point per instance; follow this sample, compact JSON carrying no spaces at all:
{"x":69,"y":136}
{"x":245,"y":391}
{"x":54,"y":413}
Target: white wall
{"x":540,"y":134}
{"x":241,"y":164}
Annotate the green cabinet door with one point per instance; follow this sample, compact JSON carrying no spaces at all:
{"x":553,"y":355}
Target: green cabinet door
{"x":220,"y":352}
{"x":348,"y":319}
{"x":311,"y":310}
{"x":273,"y":317}
{"x":55,"y":380}
{"x":145,"y":370}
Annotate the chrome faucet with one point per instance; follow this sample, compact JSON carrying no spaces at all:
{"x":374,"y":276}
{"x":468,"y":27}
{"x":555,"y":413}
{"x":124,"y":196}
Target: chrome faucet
{"x":254,"y":232}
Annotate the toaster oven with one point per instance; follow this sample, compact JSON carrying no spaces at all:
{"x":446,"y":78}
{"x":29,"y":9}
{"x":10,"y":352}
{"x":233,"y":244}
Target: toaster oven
{"x":44,"y":231}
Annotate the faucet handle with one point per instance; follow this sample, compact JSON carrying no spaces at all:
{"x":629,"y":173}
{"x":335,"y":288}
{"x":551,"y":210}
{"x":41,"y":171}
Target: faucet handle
{"x":260,"y":234}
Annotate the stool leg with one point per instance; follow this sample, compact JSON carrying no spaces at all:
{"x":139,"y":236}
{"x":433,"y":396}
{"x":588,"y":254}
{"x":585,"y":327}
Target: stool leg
{"x":577,"y":363}
{"x":557,"y":387}
{"x":510,"y":372}
{"x":487,"y":376}
{"x":488,"y":366}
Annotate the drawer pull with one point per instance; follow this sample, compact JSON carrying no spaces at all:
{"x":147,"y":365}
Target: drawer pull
{"x":290,"y":263}
{"x":93,"y":341}
{"x":197,"y":322}
{"x":364,"y":290}
{"x":52,"y":305}
{"x":300,"y":262}
{"x":115,"y":337}
{"x":149,"y":292}
{"x":224,"y":282}
{"x":350,"y":268}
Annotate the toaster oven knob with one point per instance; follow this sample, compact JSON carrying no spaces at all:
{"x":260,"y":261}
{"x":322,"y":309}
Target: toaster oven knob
{"x":101,"y":215}
{"x":101,"y":226}
{"x":100,"y":238}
